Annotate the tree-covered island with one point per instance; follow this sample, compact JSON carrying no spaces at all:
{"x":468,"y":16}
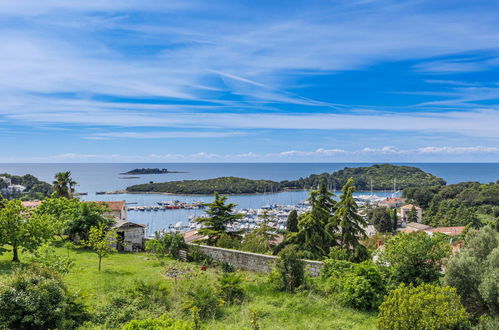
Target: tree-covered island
{"x":381,"y":176}
{"x":150,"y":171}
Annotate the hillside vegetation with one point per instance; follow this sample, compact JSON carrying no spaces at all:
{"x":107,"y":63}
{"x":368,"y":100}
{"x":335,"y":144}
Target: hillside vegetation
{"x":382,"y":177}
{"x":457,"y":204}
{"x":35,"y":189}
{"x":223,"y":185}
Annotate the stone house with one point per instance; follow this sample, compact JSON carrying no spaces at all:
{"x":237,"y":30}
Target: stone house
{"x":404,"y":212}
{"x":131,"y":236}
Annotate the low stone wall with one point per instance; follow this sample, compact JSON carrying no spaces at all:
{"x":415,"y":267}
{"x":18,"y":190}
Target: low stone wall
{"x":261,"y":263}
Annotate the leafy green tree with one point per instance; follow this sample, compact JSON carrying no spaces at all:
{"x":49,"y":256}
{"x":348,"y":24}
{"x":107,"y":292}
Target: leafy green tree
{"x":381,"y":218}
{"x":292,"y":223}
{"x":62,"y":210}
{"x":85,"y":216}
{"x":474,"y":272}
{"x":101,"y":240}
{"x":415,"y":257}
{"x":423,"y":307}
{"x":260,"y":240}
{"x":316,"y":232}
{"x":22,"y":229}
{"x":220,"y":215}
{"x":347,"y":219}
{"x":64,"y":185}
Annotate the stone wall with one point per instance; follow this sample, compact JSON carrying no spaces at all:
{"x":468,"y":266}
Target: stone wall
{"x":261,"y":263}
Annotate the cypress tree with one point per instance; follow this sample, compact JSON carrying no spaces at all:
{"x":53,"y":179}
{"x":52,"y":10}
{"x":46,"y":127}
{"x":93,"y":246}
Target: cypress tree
{"x":395,"y":220}
{"x":292,"y":223}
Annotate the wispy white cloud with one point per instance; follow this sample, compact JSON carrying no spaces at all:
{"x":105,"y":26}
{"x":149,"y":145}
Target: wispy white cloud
{"x":162,"y":135}
{"x":386,"y":153}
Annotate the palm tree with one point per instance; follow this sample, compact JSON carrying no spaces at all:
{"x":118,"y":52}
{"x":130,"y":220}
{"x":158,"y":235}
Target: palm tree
{"x":64,"y":184}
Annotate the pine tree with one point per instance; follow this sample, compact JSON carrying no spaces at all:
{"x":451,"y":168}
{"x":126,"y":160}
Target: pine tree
{"x":292,"y":223}
{"x":346,"y":218}
{"x":220,"y":215}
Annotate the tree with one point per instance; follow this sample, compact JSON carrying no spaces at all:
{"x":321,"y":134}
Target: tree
{"x":23,"y":229}
{"x":394,"y":220}
{"x":168,"y":244}
{"x":83,"y":217}
{"x":220,"y":215}
{"x":316,"y":231}
{"x":63,"y":211}
{"x":415,"y":257}
{"x":64,"y":184}
{"x":474,"y":272}
{"x":101,"y":240}
{"x":347,"y":219}
{"x":412,"y":216}
{"x":292,"y":223}
{"x":423,"y":307}
{"x":381,"y":218}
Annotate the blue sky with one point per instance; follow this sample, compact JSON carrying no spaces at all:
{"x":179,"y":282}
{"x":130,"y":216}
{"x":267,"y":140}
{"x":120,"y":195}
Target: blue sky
{"x":249,"y":81}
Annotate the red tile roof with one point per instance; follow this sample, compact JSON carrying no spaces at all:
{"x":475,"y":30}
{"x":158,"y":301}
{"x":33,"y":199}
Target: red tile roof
{"x":31,"y":203}
{"x":451,"y":231}
{"x":113,"y":206}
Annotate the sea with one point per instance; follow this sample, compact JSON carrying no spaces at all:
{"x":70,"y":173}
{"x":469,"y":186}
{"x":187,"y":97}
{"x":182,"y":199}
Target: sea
{"x":93,"y":178}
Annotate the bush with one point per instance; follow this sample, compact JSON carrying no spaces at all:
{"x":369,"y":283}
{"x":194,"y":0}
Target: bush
{"x":168,"y":244}
{"x":195,"y":255}
{"x":289,"y":272}
{"x":141,"y":300}
{"x":424,"y":307}
{"x":227,"y":267}
{"x":231,"y":290}
{"x":36,"y":299}
{"x":163,"y":322}
{"x":359,"y":286}
{"x":46,"y":257}
{"x":202,"y":297}
{"x":229,"y":242}
{"x":415,"y":257}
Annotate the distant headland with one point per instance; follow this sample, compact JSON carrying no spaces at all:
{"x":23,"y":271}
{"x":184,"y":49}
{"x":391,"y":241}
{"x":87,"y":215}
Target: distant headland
{"x":383,"y":177}
{"x":149,"y":171}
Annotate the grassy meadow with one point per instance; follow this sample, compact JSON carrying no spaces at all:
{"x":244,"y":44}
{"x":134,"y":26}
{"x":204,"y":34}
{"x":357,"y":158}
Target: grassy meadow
{"x":275,"y":310}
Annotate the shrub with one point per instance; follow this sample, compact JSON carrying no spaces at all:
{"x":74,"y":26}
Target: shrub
{"x":168,"y":244}
{"x":36,"y":299}
{"x":227,"y":267}
{"x":289,"y":273}
{"x":162,"y":322}
{"x":195,"y":255}
{"x":229,"y":242}
{"x":359,"y":286}
{"x":202,"y":297}
{"x":231,"y":290}
{"x":424,"y":307}
{"x":46,"y":257}
{"x":141,"y":300}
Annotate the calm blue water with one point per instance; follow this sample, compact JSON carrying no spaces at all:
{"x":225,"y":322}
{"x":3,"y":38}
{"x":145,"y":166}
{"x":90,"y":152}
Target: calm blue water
{"x":105,"y":177}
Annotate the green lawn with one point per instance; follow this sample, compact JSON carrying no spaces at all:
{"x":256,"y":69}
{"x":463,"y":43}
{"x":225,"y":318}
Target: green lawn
{"x":276,"y":310}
